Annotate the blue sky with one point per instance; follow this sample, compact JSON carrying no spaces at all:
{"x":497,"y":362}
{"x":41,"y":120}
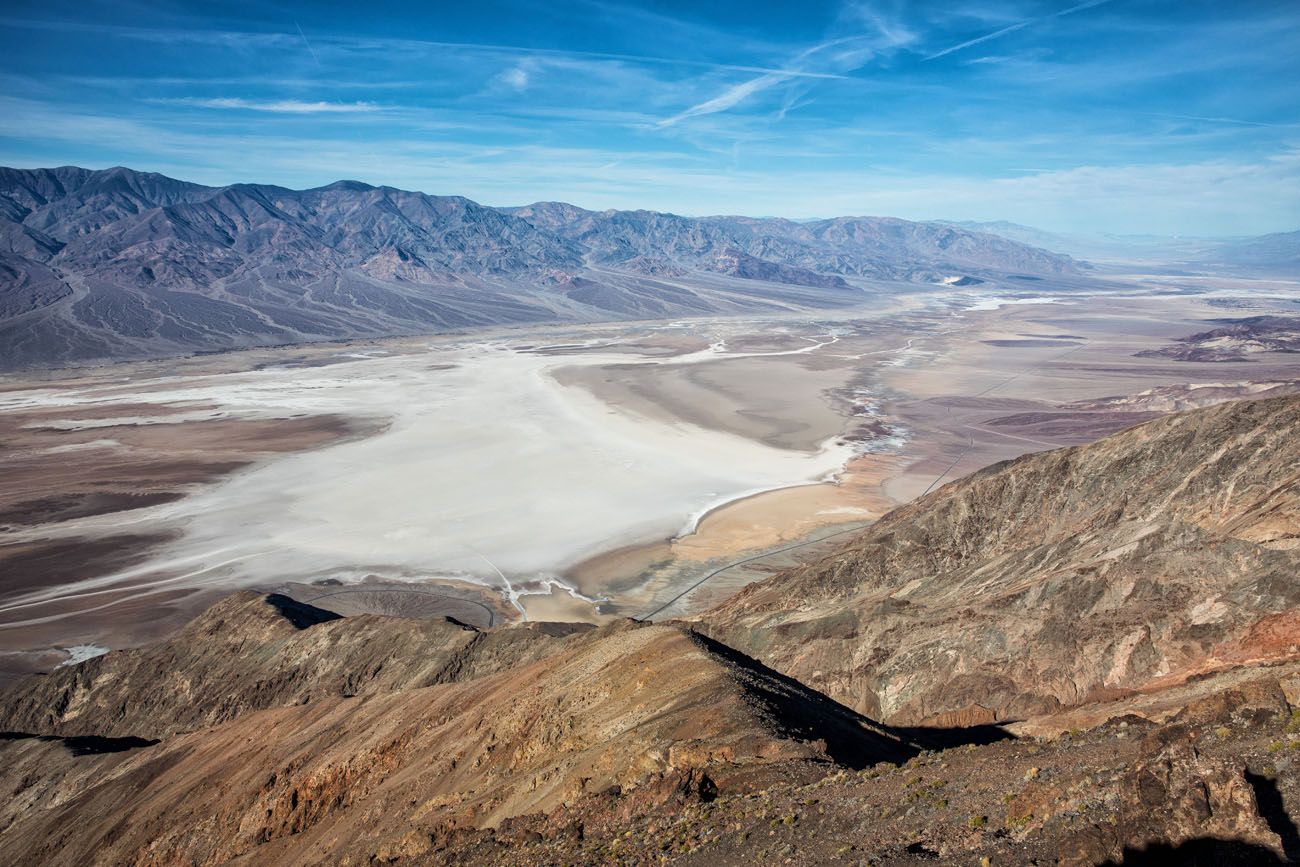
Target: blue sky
{"x":1178,"y":117}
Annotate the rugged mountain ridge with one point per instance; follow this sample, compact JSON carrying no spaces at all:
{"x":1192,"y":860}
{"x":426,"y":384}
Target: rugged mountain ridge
{"x":1274,"y":253}
{"x":118,"y":263}
{"x":1145,"y":558}
{"x":643,"y":709}
{"x":250,"y":652}
{"x":879,"y":247}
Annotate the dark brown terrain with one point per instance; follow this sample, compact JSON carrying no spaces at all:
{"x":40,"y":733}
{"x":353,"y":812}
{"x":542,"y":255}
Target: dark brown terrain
{"x":1235,"y":340}
{"x":1083,"y":656}
{"x":1151,"y":556}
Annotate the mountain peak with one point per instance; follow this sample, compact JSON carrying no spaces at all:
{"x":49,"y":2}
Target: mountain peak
{"x":346,"y":186}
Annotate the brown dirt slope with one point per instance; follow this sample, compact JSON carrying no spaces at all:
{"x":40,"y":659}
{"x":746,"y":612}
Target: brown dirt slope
{"x":651,"y":709}
{"x":1039,"y":584}
{"x":250,"y":652}
{"x":1216,"y":786}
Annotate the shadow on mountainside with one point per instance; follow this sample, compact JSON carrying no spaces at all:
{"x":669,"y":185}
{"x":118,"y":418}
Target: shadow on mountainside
{"x":1269,"y":799}
{"x":84,"y":745}
{"x":851,"y":739}
{"x":1201,"y":852}
{"x":300,"y":614}
{"x":938,"y":738}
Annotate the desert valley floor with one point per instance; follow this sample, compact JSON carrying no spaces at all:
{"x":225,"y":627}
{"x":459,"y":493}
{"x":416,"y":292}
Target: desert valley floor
{"x":561,"y":472}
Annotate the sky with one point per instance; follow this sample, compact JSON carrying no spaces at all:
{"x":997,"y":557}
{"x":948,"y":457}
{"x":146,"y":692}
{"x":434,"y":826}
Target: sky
{"x":1119,"y":116}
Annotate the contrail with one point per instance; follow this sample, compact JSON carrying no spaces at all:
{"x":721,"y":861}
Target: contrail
{"x":307,"y":42}
{"x":1088,"y":4}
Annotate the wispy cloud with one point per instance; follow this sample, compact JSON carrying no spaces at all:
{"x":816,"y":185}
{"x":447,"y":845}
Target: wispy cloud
{"x":970,"y":43}
{"x":1235,"y":121}
{"x":515,"y":78}
{"x":244,"y":39}
{"x":623,"y":103}
{"x":278,"y":106}
{"x":830,"y":59}
{"x":1012,"y":28}
{"x":729,"y":98}
{"x":307,"y":42}
{"x":1244,"y":196}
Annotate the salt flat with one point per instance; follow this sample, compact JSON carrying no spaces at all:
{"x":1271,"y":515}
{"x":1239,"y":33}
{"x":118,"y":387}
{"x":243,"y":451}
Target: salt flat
{"x":487,"y":470}
{"x":532,"y":472}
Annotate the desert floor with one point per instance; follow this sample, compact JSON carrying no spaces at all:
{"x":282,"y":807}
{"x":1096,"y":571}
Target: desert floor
{"x":566,"y":472}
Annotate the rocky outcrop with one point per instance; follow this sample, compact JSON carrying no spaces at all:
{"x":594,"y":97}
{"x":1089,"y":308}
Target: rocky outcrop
{"x":1235,"y":340}
{"x":1140,"y":560}
{"x":739,"y":264}
{"x":251,"y":652}
{"x":1171,"y":800}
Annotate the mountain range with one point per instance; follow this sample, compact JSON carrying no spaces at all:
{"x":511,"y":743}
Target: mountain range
{"x":125,"y":264}
{"x":1277,"y":253}
{"x":1083,"y":656}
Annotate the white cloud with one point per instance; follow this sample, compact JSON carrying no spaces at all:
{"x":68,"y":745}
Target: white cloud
{"x":515,"y":78}
{"x":830,"y":59}
{"x":282,"y":106}
{"x":730,"y":97}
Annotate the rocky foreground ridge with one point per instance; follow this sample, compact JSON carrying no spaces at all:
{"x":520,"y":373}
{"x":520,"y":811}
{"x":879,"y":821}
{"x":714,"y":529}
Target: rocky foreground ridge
{"x":1158,"y":554}
{"x":1084,"y":656}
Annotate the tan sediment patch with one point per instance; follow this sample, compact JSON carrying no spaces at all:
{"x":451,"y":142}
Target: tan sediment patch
{"x":776,"y":517}
{"x":28,"y":566}
{"x":47,"y":417}
{"x":781,"y":401}
{"x":601,"y":571}
{"x":67,"y":507}
{"x":68,"y":497}
{"x":768,"y":530}
{"x":660,"y":346}
{"x":49,"y":475}
{"x":557,"y":606}
{"x":124,"y":616}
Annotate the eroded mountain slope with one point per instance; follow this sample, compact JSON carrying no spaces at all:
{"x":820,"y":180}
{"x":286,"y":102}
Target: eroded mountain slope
{"x":125,"y":264}
{"x":250,"y":652}
{"x":648,"y":711}
{"x":1145,"y":558}
{"x":1131,"y":604}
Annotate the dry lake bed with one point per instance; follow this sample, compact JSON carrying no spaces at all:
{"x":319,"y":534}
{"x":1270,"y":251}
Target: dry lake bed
{"x":575,"y":472}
